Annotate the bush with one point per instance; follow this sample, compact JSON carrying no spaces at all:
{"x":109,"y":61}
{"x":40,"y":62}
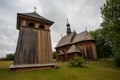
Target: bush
{"x":77,"y":61}
{"x":57,"y":67}
{"x":117,"y":60}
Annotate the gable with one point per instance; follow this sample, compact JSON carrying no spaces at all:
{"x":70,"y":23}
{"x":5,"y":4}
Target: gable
{"x":73,"y":49}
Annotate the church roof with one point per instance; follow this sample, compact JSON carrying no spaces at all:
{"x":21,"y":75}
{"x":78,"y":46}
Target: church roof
{"x":66,"y":39}
{"x":60,"y":53}
{"x":73,"y":49}
{"x":84,"y":36}
{"x":74,"y":38}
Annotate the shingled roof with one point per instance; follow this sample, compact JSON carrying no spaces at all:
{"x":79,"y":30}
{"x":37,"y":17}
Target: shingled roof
{"x":60,"y":53}
{"x":84,"y":36}
{"x":74,"y":38}
{"x":73,"y":49}
{"x":35,"y":15}
{"x":66,"y":39}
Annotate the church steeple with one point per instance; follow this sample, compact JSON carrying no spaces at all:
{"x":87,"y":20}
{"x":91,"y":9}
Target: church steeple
{"x":68,"y":28}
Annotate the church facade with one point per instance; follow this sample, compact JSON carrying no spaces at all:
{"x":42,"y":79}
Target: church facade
{"x":73,"y":44}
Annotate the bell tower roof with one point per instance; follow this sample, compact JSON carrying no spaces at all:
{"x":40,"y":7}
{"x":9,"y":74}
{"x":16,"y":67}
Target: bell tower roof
{"x":34,"y":16}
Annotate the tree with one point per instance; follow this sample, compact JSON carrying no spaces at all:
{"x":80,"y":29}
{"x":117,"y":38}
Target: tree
{"x":111,"y":25}
{"x":9,"y":57}
{"x":103,"y":48}
{"x":54,"y":55}
{"x":2,"y":59}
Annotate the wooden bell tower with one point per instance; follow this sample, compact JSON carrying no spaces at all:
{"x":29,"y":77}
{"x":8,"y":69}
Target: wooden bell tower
{"x":33,"y":49}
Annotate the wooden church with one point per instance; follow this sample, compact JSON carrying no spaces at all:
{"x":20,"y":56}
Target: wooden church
{"x":73,"y":44}
{"x":34,"y":50}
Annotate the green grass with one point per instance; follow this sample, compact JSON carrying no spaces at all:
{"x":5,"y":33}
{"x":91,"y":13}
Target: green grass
{"x":92,"y":70}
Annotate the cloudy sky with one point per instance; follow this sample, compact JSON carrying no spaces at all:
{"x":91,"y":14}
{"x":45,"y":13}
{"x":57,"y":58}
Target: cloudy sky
{"x":81,"y":14}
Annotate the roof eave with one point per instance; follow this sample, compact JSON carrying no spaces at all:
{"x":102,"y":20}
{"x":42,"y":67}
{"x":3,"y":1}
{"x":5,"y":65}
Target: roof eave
{"x":37,"y":19}
{"x":62,"y":45}
{"x":51,"y":22}
{"x":83,"y":41}
{"x":72,"y":52}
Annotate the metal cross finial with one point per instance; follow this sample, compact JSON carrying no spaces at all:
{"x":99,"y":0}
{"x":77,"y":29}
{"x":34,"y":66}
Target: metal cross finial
{"x":74,"y":30}
{"x":86,"y":28}
{"x":61,"y":35}
{"x":67,"y":20}
{"x":35,"y":9}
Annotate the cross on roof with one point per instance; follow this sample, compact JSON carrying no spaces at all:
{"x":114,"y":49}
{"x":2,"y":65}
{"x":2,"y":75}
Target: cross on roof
{"x":35,"y":9}
{"x":67,"y":20}
{"x":86,"y":28}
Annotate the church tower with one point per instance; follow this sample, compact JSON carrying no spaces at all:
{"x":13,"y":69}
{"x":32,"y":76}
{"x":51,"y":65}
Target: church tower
{"x":34,"y":50}
{"x":68,"y":28}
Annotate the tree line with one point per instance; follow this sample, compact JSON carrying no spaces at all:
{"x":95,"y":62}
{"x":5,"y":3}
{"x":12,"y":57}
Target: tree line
{"x":10,"y":57}
{"x":108,"y":35}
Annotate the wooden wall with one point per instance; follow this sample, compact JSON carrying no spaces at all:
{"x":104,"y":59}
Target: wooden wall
{"x":87,"y":48}
{"x":34,"y":47}
{"x":64,"y":49}
{"x":45,"y":48}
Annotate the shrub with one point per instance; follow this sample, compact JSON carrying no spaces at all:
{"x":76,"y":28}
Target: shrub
{"x":57,"y":67}
{"x":117,"y":60}
{"x":77,"y":61}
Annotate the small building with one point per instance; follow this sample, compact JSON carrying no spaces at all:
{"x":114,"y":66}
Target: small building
{"x":73,"y":44}
{"x":34,"y":50}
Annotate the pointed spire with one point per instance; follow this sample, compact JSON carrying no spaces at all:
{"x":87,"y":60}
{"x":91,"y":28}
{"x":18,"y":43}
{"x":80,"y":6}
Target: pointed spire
{"x":68,"y":27}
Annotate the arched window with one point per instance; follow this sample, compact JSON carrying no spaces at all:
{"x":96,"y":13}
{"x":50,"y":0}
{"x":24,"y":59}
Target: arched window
{"x":31,"y":25}
{"x":41,"y":27}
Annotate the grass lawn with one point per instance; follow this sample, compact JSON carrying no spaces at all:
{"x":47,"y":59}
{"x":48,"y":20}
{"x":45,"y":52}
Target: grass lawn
{"x":92,"y":70}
